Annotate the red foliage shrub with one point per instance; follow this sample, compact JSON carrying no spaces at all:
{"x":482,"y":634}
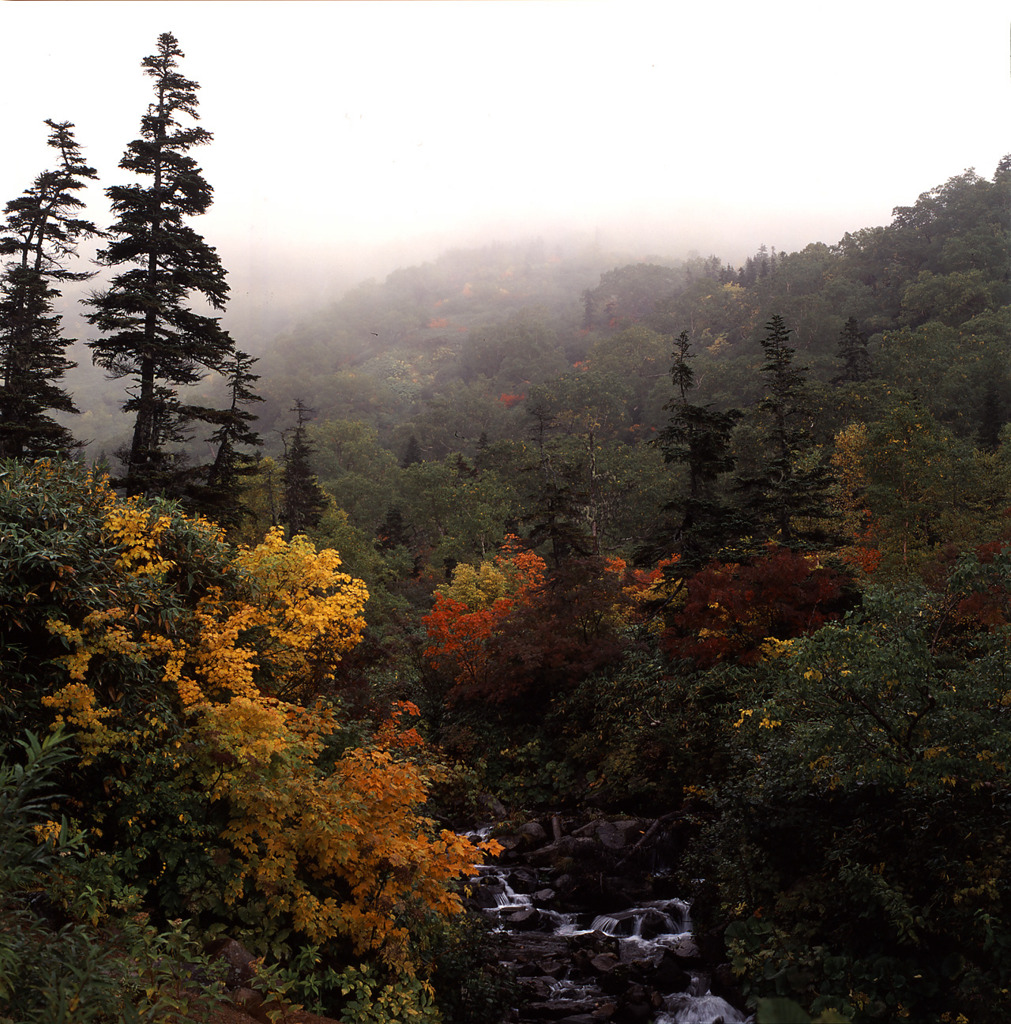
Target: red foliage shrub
{"x":731,"y":608}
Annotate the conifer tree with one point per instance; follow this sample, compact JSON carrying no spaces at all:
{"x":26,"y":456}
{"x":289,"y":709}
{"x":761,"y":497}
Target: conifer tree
{"x":698,"y":437}
{"x":235,"y":442}
{"x":788,"y":498}
{"x":853,"y":354}
{"x":149,"y":333}
{"x":558,"y":495}
{"x":39,"y":235}
{"x":304,"y":500}
{"x":412,"y":453}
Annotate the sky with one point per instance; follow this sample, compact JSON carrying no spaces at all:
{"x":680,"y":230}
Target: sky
{"x":350,"y":138}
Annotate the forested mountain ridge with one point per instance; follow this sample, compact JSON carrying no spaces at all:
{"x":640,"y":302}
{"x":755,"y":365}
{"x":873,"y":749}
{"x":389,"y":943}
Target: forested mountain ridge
{"x":448,"y":377}
{"x":425,"y":330}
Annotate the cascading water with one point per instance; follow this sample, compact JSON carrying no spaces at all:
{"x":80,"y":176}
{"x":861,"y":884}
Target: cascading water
{"x":589,"y":961}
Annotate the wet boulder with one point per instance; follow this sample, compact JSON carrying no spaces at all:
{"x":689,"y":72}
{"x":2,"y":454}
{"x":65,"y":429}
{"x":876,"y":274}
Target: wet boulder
{"x":527,"y":919}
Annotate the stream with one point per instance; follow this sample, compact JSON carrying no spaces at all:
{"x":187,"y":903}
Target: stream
{"x":638,"y":965}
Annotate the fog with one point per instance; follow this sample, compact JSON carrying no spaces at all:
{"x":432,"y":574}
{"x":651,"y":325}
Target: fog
{"x":351,"y":138}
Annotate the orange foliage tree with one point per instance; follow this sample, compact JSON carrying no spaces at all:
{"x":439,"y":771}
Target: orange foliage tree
{"x":505,"y":630}
{"x":848,"y":459}
{"x":470,"y":611}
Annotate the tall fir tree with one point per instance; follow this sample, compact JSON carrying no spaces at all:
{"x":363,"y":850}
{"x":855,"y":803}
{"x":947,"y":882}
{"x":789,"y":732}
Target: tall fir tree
{"x":149,"y":332}
{"x":787,"y":500}
{"x":235,"y":442}
{"x":853,"y":354}
{"x":304,"y":500}
{"x":412,"y":453}
{"x":697,"y":437}
{"x":39,"y":235}
{"x":557,"y":498}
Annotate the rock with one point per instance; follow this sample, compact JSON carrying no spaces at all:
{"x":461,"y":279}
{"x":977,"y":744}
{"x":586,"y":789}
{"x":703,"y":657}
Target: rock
{"x":724,"y":983}
{"x":566,"y":884}
{"x":525,"y":920}
{"x":241,"y":963}
{"x":483,"y":895}
{"x":583,"y":848}
{"x":247,"y":1000}
{"x":711,"y":946}
{"x":685,"y":948}
{"x":253,"y":1005}
{"x":615,"y":835}
{"x":602,"y":963}
{"x":636,"y":1007}
{"x":560,"y":1009}
{"x":616,"y":981}
{"x":554,"y":968}
{"x":544,"y":895}
{"x":669,"y":975}
{"x":654,"y":923}
{"x":522,"y":880}
{"x":491,"y":806}
{"x":532,"y":833}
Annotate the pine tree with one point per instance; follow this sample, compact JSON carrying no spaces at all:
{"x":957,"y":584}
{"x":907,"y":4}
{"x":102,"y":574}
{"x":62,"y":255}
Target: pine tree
{"x":40,"y":234}
{"x":853,"y":354}
{"x":304,"y":500}
{"x":558,"y":497}
{"x":788,"y":499}
{"x":149,"y":332}
{"x":412,"y":453}
{"x":234,"y":441}
{"x":697,"y":437}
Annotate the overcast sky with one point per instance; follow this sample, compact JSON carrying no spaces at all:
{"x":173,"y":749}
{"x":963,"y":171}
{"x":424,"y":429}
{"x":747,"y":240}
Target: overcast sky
{"x":342,"y":127}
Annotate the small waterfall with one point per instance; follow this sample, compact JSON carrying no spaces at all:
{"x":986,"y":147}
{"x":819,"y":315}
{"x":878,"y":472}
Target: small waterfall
{"x":595,"y":959}
{"x":705,"y":1009}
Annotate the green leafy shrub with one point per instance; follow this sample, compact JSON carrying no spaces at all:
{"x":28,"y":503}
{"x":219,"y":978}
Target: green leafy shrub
{"x":73,"y":947}
{"x":863,"y":848}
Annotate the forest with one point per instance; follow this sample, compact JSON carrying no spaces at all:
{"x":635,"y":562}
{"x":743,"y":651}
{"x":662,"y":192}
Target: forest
{"x":525,"y":530}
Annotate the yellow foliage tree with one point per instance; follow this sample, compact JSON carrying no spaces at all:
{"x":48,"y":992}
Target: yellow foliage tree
{"x":191,"y":674}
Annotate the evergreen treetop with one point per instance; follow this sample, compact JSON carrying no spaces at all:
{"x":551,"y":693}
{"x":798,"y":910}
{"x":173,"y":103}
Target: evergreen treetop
{"x":787,"y":499}
{"x":149,"y":331}
{"x":40,"y":235}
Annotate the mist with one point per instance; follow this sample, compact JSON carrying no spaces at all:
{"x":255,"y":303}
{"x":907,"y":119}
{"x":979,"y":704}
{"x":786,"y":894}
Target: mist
{"x":353,"y":139}
{"x":350,"y":138}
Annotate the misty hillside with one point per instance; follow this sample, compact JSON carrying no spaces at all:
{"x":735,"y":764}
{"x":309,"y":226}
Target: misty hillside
{"x":531,"y":630}
{"x":474,"y":325}
{"x":431,"y":350}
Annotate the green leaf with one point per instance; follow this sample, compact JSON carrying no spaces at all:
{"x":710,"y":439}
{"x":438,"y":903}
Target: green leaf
{"x":831,"y":1017}
{"x":781,"y":1011}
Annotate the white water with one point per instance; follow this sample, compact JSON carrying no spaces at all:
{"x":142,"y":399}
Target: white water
{"x":642,"y":933}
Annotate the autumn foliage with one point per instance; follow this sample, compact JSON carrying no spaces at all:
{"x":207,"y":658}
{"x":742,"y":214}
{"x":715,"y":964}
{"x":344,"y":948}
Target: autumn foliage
{"x":731,"y":609}
{"x":506,"y":630}
{"x":470,"y":613}
{"x":192,"y":675}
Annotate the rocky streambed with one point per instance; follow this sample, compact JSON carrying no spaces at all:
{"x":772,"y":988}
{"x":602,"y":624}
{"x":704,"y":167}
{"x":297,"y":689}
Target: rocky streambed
{"x":587,"y":923}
